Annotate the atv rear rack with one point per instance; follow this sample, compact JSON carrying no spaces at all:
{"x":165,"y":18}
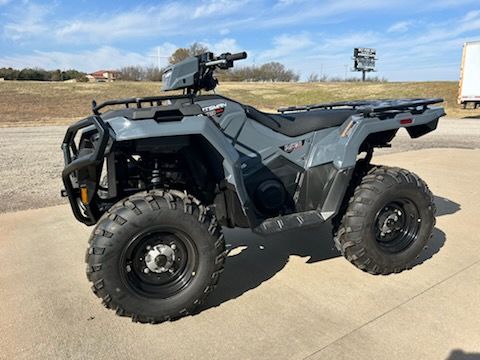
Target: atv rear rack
{"x":138,"y":102}
{"x":368,"y":107}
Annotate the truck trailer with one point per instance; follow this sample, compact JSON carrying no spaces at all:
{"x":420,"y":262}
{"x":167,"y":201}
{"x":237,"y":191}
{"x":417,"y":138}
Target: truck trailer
{"x":469,"y":85}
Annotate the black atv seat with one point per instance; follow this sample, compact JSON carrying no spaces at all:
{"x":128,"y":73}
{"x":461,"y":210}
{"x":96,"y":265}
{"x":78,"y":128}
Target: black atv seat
{"x":299,"y":123}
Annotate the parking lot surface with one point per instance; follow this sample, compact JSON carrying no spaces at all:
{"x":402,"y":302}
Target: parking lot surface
{"x":289,"y":296}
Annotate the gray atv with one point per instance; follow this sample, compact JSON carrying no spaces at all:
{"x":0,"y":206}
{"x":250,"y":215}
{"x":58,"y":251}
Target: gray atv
{"x":160,"y":176}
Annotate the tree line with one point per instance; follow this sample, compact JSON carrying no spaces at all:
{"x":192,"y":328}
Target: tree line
{"x":140,"y":73}
{"x":314,"y":78}
{"x":269,"y":72}
{"x":41,"y":74}
{"x":272,"y":71}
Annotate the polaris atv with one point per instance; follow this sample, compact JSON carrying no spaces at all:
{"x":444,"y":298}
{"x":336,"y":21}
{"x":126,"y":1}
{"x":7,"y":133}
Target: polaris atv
{"x":161,"y":175}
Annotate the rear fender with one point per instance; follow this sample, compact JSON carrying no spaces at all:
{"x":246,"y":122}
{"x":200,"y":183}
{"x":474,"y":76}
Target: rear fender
{"x":341,"y":146}
{"x":354,"y":132}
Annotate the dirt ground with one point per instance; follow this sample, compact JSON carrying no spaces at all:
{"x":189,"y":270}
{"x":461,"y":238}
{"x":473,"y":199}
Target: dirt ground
{"x":31,"y":161}
{"x":30,"y":167}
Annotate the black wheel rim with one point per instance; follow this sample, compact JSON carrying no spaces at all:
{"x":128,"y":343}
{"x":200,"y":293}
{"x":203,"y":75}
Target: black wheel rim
{"x":397,"y":225}
{"x":164,"y":281}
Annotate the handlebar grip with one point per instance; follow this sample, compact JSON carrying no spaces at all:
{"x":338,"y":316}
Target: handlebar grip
{"x":237,"y":56}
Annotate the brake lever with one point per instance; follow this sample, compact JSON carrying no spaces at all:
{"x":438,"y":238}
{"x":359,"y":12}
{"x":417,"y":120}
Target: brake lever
{"x":216,"y":62}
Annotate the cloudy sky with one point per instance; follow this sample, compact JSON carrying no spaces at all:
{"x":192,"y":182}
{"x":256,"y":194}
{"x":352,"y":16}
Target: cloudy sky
{"x":415,"y":40}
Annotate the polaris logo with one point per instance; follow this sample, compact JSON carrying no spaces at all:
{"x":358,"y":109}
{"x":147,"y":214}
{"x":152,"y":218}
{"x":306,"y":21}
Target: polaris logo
{"x":214,"y":110}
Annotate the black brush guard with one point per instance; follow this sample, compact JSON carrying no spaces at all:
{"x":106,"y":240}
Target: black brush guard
{"x":73,"y":163}
{"x":89,"y":214}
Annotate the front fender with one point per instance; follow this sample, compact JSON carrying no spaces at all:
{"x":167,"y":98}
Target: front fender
{"x":126,"y":129}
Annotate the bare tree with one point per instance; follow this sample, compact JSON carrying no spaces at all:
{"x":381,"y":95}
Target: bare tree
{"x":153,"y":73}
{"x":140,"y":73}
{"x":131,"y":73}
{"x":313,"y":77}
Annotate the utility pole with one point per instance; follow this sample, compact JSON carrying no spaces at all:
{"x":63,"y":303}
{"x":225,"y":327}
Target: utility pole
{"x":346,"y":70}
{"x":158,"y":57}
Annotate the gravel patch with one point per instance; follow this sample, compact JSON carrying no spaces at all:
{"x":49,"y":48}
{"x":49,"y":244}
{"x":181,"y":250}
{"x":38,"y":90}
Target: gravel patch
{"x":31,"y":160}
{"x":30,"y":166}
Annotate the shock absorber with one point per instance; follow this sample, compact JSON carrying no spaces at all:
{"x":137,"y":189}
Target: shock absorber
{"x":155,"y":176}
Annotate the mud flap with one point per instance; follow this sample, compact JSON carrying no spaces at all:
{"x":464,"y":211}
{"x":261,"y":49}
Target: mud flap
{"x":420,"y":130}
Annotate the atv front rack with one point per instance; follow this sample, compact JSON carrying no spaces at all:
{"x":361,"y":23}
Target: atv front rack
{"x":138,"y":102}
{"x":73,"y":163}
{"x":368,"y":107}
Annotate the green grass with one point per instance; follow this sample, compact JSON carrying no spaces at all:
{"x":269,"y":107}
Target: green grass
{"x":41,"y":103}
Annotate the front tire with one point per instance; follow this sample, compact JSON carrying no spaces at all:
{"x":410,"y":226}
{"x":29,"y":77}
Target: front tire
{"x":155,"y":256}
{"x":388,"y":221}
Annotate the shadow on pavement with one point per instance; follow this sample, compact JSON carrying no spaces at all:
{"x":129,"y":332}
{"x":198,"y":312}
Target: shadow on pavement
{"x":458,"y":354}
{"x":434,"y":245}
{"x":254,"y":259}
{"x":445,"y":206}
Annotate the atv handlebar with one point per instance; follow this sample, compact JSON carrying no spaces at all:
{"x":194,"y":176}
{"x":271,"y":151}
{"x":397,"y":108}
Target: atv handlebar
{"x":226,"y":60}
{"x":237,"y":56}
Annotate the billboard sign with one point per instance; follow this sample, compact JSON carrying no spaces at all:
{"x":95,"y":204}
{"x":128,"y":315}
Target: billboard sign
{"x":364,"y":59}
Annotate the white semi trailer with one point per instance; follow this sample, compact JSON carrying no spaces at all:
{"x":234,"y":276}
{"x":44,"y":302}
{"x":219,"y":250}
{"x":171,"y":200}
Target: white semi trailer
{"x":469,"y":86}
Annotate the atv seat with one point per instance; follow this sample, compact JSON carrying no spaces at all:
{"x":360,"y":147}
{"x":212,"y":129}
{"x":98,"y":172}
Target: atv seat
{"x":299,"y":123}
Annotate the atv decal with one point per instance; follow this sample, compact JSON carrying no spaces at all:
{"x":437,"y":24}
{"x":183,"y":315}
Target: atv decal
{"x":215,"y":110}
{"x":293,"y":146}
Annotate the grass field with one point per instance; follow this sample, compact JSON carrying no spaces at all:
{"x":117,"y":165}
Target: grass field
{"x":41,"y":103}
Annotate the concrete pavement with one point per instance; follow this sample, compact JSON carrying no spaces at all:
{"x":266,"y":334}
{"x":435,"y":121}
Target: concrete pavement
{"x":285,"y":297}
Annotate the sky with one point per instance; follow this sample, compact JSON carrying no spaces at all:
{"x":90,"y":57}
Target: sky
{"x":415,"y":40}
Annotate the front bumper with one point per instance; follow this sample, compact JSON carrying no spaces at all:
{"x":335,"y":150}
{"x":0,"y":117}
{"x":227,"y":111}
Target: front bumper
{"x":85,"y":212}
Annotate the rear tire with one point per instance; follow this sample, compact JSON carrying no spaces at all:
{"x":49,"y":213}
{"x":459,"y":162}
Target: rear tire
{"x":155,"y":256}
{"x":388,"y":221}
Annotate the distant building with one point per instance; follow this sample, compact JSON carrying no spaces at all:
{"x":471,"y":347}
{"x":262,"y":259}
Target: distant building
{"x":2,"y":79}
{"x":103,"y":75}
